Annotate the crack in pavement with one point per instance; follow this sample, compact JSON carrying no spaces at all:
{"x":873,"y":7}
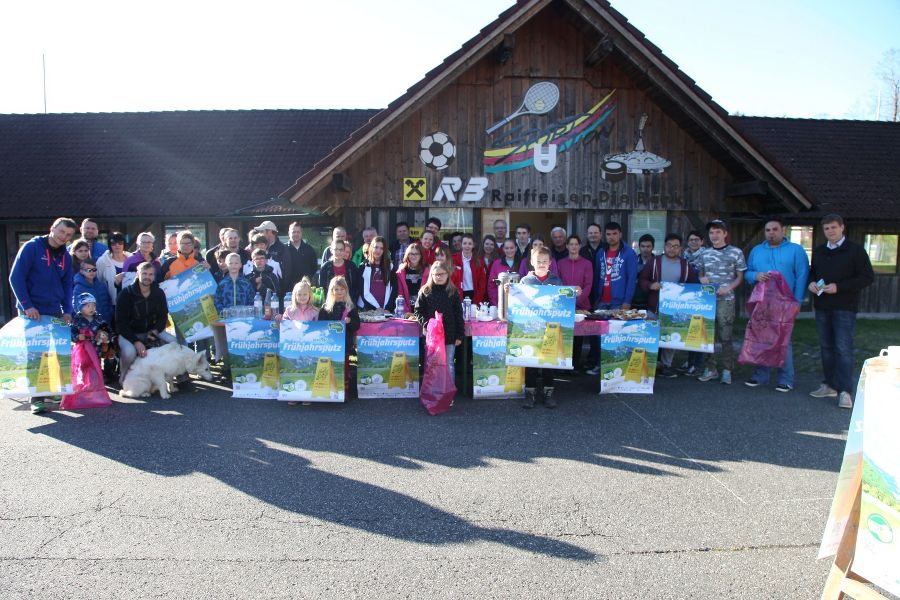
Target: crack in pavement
{"x":685,"y":454}
{"x":727,"y":549}
{"x":346,"y":560}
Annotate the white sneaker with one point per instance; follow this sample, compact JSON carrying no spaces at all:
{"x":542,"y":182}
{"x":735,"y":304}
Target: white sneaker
{"x":824,"y":391}
{"x":593,"y":371}
{"x":709,"y":375}
{"x":726,"y":376}
{"x":845,"y":401}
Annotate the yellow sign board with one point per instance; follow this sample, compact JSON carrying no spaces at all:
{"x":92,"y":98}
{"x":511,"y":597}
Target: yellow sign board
{"x":49,"y":375}
{"x":399,"y":374}
{"x":696,"y":336}
{"x":324,"y":382}
{"x":637,"y":366}
{"x":515,"y":380}
{"x":270,"y":371}
{"x":552,"y":344}
{"x":415,"y":188}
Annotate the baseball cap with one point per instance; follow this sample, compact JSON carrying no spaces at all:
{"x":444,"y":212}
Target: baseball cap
{"x":267,"y":225}
{"x":718,"y":223}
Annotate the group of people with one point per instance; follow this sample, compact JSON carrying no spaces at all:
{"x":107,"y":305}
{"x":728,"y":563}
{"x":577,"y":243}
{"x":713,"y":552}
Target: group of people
{"x":54,"y":276}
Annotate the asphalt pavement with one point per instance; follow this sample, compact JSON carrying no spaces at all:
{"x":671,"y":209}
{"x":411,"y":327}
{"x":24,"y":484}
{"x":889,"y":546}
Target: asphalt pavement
{"x":698,"y":491}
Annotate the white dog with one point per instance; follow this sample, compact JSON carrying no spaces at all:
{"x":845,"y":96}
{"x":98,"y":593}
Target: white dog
{"x":156,"y":371}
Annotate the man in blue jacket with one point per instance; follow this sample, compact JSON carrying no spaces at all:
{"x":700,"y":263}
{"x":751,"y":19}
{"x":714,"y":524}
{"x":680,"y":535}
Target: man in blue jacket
{"x":41,"y":279}
{"x":615,"y":275}
{"x":784,"y":256}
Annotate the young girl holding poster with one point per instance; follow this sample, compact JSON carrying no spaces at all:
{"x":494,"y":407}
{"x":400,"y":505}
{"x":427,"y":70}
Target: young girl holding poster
{"x":302,"y":307}
{"x":339,"y":307}
{"x":440,"y":295}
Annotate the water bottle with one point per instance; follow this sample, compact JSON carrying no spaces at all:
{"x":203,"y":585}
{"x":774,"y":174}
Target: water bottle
{"x":400,"y":308}
{"x":287,"y":300}
{"x":258,"y":306}
{"x":467,"y":309}
{"x":267,"y":304}
{"x":273,"y":303}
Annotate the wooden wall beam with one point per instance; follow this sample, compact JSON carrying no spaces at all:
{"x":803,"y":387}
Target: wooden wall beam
{"x":599,"y":52}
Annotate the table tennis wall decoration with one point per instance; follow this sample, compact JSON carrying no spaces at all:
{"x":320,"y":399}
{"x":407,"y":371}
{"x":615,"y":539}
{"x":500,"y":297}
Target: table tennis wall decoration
{"x":616,"y":166}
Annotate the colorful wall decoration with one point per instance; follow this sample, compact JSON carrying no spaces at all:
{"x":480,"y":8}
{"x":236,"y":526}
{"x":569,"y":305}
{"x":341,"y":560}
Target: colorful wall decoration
{"x":540,"y":148}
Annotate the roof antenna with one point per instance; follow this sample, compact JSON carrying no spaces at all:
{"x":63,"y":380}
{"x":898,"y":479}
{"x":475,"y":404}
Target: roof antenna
{"x":44,"y":63}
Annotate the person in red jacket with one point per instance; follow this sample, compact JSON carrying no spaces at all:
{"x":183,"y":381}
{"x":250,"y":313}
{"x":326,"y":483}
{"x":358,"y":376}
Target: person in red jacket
{"x":469,"y":276}
{"x":668,"y":266}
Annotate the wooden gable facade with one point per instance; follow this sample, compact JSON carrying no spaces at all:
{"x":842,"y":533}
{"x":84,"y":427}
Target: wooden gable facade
{"x":627,"y":139}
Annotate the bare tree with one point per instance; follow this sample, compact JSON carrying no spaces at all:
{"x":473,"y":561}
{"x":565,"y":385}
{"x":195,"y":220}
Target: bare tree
{"x":888,"y":71}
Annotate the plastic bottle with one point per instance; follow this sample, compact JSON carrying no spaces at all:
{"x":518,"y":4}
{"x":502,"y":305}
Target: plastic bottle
{"x":400,"y":308}
{"x":267,"y":305}
{"x":273,"y":303}
{"x":467,"y":309}
{"x":258,"y":306}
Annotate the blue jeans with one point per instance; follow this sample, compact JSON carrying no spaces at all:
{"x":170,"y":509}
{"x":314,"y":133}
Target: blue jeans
{"x":835,"y":329}
{"x":450,"y":350}
{"x":785,"y":373}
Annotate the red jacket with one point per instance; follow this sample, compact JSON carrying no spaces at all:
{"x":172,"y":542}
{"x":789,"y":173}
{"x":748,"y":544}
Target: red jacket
{"x":479,"y":277}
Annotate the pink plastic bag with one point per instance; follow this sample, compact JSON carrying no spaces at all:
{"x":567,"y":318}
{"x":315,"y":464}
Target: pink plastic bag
{"x":438,"y":389}
{"x":87,"y":380}
{"x":772,"y":309}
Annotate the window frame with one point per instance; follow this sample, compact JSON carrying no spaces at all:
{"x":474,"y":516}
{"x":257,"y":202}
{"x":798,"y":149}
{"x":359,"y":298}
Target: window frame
{"x":896,"y":265}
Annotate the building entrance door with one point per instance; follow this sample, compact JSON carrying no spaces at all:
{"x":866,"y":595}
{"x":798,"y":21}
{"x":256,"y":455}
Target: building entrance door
{"x":541,"y":221}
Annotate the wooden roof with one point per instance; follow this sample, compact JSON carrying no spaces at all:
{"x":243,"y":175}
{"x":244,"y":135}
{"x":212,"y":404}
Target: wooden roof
{"x":677,"y":93}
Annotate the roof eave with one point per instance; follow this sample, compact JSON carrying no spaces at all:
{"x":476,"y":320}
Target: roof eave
{"x":317,"y":178}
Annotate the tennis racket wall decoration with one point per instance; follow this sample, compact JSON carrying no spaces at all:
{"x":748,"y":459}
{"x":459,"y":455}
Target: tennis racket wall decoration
{"x":540,"y":99}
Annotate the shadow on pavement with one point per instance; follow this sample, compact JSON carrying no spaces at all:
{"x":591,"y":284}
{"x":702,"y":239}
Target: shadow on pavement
{"x":237,"y":442}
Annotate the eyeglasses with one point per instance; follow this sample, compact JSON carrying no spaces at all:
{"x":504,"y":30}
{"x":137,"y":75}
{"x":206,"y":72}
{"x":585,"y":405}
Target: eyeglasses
{"x":86,"y":270}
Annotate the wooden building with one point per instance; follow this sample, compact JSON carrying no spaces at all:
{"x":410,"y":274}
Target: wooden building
{"x":559,"y":112}
{"x":601,"y":127}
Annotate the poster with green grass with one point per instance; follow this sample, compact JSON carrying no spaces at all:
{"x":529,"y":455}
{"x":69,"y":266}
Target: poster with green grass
{"x":687,"y":317}
{"x":190,"y":296}
{"x":877,"y":555}
{"x":253,"y":357}
{"x":491,"y":378}
{"x":388,"y":360}
{"x":311,"y":355}
{"x":35,"y":357}
{"x":541,"y":326}
{"x":628,"y":355}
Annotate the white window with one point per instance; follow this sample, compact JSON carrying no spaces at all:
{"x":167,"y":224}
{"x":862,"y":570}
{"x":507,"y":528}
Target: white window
{"x":198,"y":229}
{"x":882,"y":249}
{"x":803,"y":235}
{"x":648,"y":221}
{"x":453,"y":219}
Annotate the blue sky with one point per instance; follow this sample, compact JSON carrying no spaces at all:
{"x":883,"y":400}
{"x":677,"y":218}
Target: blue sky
{"x":798,"y":58}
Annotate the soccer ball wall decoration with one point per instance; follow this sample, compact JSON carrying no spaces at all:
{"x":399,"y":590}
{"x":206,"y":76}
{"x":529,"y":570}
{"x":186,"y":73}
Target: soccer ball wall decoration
{"x":437,"y":150}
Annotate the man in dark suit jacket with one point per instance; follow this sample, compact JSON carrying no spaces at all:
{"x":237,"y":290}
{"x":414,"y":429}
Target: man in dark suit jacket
{"x":298,"y":259}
